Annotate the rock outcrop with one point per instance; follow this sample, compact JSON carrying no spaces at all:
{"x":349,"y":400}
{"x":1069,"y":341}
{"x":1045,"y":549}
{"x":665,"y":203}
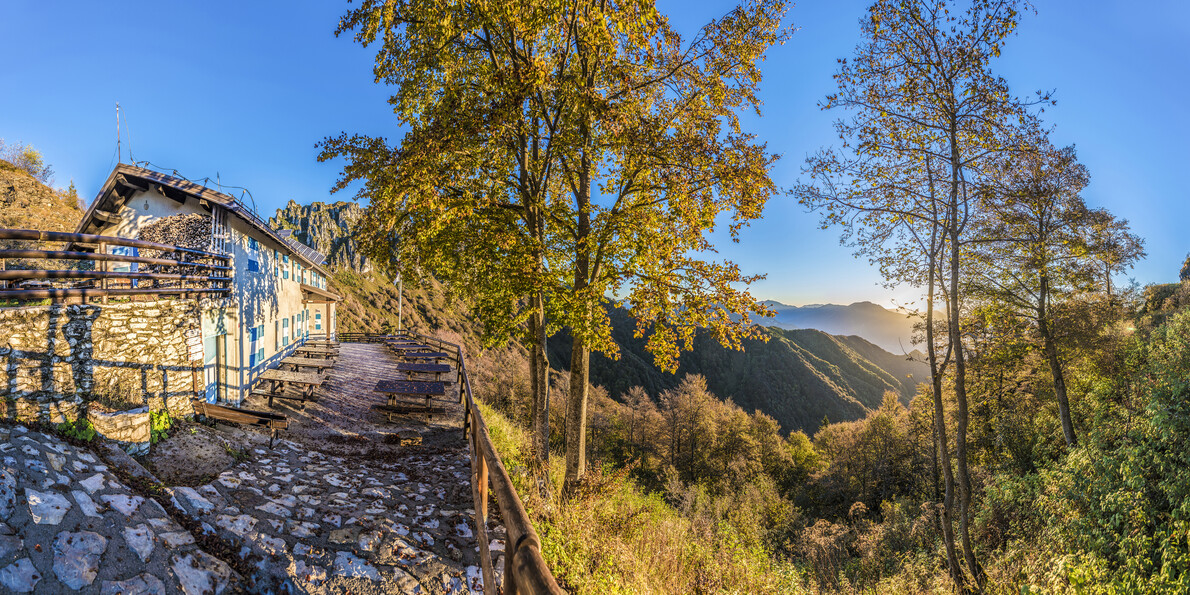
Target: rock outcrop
{"x":329,"y":229}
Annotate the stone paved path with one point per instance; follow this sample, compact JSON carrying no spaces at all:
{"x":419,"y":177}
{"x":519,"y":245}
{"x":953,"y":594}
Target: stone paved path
{"x":328,"y":524}
{"x":67,"y":524}
{"x":339,"y":505}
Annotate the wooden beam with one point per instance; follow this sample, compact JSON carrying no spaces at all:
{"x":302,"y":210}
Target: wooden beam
{"x":35,"y":274}
{"x":105,"y":216}
{"x":102,"y":257}
{"x":41,"y":294}
{"x":58,"y":236}
{"x":131,"y":183}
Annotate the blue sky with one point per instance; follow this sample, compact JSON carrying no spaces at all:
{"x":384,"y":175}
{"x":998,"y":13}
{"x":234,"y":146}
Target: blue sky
{"x":244,"y":90}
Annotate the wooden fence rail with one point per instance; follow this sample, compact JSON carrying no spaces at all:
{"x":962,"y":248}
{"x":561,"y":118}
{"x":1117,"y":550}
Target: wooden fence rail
{"x":525,"y":570}
{"x":198,"y":272}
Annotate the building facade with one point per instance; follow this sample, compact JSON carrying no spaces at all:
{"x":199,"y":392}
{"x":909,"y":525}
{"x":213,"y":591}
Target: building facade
{"x":279,"y":295}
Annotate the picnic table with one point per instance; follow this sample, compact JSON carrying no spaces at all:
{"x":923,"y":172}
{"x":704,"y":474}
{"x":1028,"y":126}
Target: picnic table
{"x":308,"y":362}
{"x":407,"y":347}
{"x":313,"y":351}
{"x":436,"y":369}
{"x":323,"y":344}
{"x":277,"y":379}
{"x":399,"y":388}
{"x":434,"y":355}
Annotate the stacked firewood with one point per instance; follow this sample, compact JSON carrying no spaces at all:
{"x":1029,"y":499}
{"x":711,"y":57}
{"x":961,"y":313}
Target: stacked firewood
{"x":186,"y":231}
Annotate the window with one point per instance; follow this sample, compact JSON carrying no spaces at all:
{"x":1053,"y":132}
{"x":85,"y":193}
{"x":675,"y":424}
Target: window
{"x":318,"y":321}
{"x":256,"y":346}
{"x":285,"y":331}
{"x":285,"y":269}
{"x":253,"y":255}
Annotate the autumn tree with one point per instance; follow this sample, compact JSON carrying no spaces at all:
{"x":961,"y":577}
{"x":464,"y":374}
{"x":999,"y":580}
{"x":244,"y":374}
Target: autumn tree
{"x":654,"y":156}
{"x":1045,"y":245}
{"x":464,"y":196}
{"x":928,"y":116}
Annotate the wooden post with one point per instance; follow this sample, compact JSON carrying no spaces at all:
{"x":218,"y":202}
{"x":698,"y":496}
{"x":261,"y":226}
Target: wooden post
{"x":103,"y":268}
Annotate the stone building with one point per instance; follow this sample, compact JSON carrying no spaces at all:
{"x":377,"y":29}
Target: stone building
{"x":279,"y":295}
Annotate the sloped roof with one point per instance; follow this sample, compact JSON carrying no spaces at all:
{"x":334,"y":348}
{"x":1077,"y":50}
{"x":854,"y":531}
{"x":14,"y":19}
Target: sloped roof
{"x":306,"y":251}
{"x":124,"y":178}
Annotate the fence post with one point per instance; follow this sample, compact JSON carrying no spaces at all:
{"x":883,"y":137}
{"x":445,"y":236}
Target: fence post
{"x":103,"y":268}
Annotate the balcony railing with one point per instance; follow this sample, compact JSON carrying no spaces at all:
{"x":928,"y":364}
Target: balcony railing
{"x":77,"y":274}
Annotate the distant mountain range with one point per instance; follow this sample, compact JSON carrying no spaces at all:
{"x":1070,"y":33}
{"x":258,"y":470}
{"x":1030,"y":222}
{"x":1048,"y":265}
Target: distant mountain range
{"x":890,"y":329}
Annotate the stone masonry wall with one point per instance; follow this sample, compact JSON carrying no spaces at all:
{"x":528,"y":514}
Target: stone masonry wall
{"x":55,"y":357}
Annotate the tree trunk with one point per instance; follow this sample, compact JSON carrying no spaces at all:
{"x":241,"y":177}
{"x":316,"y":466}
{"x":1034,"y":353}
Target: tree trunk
{"x":540,"y":377}
{"x":1051,"y":356}
{"x":576,"y":414}
{"x":943,"y":452}
{"x":960,"y":367}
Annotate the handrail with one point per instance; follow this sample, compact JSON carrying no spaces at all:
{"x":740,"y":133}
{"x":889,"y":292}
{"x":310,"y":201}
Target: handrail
{"x":87,"y":238}
{"x":197,"y":272}
{"x":92,"y":256}
{"x":525,"y":570}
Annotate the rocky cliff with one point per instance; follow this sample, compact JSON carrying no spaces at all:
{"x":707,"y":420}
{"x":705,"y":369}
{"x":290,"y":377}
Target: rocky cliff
{"x":330,"y":229}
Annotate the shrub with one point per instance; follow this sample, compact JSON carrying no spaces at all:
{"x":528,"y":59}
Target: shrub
{"x":81,"y":429}
{"x":159,"y":424}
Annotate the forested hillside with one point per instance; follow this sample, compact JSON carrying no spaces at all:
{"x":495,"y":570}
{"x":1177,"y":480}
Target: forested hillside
{"x":797,"y":376}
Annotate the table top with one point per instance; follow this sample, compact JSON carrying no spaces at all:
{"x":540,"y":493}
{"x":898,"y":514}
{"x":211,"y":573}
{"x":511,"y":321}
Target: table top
{"x":410,"y":387}
{"x":431,"y":355}
{"x":316,"y":350}
{"x":313,"y":362}
{"x":423,"y":367}
{"x":292,"y":376}
{"x":409,"y":347}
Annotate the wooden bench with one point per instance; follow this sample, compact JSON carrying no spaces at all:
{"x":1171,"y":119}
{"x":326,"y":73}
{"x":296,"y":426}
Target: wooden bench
{"x":313,"y":351}
{"x":308,"y":362}
{"x":277,"y":379}
{"x":275,"y":422}
{"x":434,"y":355}
{"x":412,"y":388}
{"x":436,"y":369}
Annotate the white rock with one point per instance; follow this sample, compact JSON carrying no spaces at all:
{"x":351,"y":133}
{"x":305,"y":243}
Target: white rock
{"x":275,"y":509}
{"x":46,"y":508}
{"x":141,"y":584}
{"x":349,"y":565}
{"x":177,"y":539}
{"x":86,"y":504}
{"x":76,"y":557}
{"x":199,"y":573}
{"x":307,"y":573}
{"x":123,"y":503}
{"x":140,"y":540}
{"x":93,"y":484}
{"x":20,"y":576}
{"x":240,"y":525}
{"x":200,"y":504}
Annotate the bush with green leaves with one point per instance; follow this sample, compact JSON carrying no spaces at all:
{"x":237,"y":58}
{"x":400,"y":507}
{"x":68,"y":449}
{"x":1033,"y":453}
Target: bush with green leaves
{"x":1122,"y":502}
{"x":80,"y":429}
{"x":159,"y":424}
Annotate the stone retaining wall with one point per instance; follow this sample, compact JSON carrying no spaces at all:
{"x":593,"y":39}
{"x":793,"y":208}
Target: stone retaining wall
{"x":54,"y":358}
